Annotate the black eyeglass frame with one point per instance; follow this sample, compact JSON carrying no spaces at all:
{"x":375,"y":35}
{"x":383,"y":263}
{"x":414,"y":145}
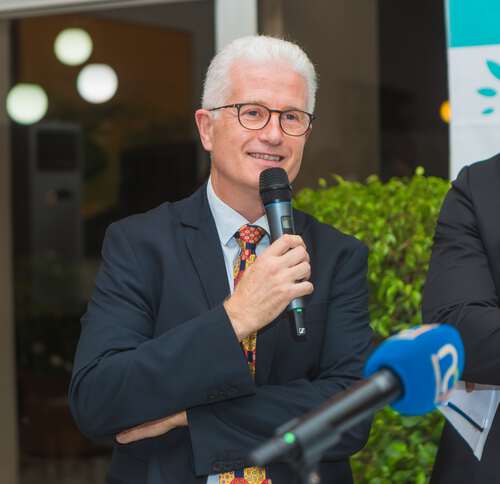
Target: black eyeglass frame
{"x":238,"y":106}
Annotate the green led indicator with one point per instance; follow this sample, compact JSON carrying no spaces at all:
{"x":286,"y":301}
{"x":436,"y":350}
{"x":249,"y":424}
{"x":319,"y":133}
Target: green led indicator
{"x":289,"y":438}
{"x":298,"y":310}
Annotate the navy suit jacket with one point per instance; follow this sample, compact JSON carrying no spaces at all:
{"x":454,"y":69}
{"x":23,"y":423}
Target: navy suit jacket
{"x":463,"y":289}
{"x":156,"y":340}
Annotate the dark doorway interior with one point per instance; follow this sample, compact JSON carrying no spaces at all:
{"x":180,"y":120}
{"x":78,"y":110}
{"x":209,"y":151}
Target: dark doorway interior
{"x":413,"y":85}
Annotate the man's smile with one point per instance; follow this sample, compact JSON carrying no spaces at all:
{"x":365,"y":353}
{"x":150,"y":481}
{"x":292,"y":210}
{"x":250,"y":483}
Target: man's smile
{"x":266,"y":156}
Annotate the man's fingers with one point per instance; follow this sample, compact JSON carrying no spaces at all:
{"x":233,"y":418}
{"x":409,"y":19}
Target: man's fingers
{"x":135,"y":434}
{"x":295,"y":256}
{"x":144,"y":431}
{"x":300,"y":272}
{"x":469,"y":387}
{"x":284,"y":244}
{"x":299,"y":289}
{"x":154,"y":428}
{"x":302,"y":288}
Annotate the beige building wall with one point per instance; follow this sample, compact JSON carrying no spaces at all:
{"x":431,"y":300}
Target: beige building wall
{"x":342,"y":40}
{"x":8,"y":419}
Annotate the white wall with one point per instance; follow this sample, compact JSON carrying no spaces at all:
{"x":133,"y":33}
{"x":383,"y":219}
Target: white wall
{"x":234,"y":19}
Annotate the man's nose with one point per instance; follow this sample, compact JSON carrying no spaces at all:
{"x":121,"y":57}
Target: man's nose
{"x":272,"y":132}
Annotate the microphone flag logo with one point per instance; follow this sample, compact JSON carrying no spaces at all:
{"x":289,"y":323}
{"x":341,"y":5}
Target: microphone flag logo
{"x":445,"y":361}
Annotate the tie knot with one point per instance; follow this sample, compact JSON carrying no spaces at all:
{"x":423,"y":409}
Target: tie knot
{"x":250,"y":234}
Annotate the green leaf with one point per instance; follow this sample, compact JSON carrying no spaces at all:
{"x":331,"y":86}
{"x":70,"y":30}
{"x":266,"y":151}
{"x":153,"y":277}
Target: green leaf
{"x":397,"y":448}
{"x":396,"y":220}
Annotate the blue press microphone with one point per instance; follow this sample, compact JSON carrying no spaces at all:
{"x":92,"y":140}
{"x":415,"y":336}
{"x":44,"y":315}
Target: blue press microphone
{"x":413,"y":371}
{"x":428,"y":361}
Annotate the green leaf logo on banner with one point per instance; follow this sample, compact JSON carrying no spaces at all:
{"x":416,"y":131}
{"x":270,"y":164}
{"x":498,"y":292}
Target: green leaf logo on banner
{"x":488,"y":92}
{"x":494,"y":68}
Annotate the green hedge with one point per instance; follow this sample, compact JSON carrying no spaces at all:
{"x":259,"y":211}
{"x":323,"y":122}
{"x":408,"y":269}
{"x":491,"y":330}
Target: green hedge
{"x":396,"y":220}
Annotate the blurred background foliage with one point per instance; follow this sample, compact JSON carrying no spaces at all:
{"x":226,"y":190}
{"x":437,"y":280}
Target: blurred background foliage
{"x":396,"y":220}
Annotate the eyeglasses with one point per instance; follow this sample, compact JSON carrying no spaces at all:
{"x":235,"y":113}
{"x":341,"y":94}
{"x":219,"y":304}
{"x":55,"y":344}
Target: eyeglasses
{"x":256,"y":116}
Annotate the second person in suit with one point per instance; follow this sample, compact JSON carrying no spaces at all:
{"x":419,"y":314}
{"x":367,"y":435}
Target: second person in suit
{"x":463,"y":289}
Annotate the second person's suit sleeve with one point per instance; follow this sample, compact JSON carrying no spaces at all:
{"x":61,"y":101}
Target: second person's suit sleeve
{"x":460,"y":289}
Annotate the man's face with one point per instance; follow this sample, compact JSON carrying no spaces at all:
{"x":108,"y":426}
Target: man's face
{"x":239,"y":154}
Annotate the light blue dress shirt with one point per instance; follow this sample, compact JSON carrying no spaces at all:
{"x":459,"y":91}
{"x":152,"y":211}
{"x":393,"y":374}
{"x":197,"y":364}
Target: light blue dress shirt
{"x":228,"y":221}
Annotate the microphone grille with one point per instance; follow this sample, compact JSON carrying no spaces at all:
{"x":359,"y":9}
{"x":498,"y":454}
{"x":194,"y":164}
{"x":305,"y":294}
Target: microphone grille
{"x":274,"y":179}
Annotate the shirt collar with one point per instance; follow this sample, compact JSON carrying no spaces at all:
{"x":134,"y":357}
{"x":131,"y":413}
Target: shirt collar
{"x":227,"y":220}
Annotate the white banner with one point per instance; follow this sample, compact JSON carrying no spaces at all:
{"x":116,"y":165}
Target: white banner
{"x":474,"y":80}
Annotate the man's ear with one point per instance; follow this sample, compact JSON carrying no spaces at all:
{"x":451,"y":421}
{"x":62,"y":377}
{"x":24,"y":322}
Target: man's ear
{"x":205,"y":122}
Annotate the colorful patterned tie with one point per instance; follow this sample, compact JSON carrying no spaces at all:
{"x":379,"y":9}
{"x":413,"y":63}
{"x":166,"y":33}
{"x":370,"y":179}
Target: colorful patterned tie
{"x":247,"y":237}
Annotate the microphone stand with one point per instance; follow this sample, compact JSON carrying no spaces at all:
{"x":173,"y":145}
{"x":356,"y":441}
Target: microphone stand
{"x":304,"y":462}
{"x":301,"y":442}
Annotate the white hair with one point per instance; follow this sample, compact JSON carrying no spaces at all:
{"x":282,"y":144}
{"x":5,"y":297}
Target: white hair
{"x":258,"y":48}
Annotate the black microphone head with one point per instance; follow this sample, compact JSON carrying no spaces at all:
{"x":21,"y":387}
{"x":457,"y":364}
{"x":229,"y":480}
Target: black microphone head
{"x":274,"y":185}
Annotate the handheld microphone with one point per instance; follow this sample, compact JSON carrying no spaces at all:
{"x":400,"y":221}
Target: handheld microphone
{"x":414,"y":370}
{"x":276,"y":194}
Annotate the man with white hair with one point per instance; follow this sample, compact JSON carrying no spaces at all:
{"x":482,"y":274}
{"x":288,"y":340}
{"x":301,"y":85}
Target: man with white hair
{"x":185,"y":356}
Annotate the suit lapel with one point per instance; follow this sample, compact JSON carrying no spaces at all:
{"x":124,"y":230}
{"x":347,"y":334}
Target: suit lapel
{"x":203,"y":244}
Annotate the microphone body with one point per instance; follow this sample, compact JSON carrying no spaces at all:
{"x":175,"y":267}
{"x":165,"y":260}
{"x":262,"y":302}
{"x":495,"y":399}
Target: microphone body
{"x":280,"y":216}
{"x":276,"y":194}
{"x":414,"y":370}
